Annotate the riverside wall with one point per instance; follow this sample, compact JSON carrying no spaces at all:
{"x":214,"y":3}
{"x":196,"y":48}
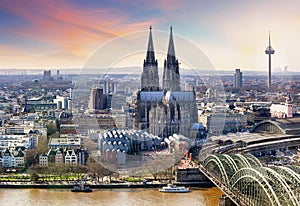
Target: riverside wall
{"x":101,"y":186}
{"x":192,"y":175}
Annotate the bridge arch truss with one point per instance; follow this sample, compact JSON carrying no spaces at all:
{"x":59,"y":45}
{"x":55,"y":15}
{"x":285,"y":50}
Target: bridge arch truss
{"x":254,"y":184}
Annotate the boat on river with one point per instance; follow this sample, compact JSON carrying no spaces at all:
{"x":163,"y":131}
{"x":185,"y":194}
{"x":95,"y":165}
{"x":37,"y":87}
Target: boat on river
{"x":81,"y":187}
{"x":174,"y":189}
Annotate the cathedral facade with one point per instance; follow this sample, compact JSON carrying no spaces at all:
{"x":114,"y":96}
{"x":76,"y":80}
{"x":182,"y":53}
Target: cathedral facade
{"x":165,"y":110}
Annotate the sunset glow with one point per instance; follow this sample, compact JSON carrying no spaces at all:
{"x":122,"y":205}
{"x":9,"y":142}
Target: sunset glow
{"x":63,"y":34}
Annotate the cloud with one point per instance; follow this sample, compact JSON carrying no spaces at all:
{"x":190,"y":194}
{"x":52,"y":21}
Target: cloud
{"x":68,"y":26}
{"x":168,"y":5}
{"x":163,"y":5}
{"x":232,"y":32}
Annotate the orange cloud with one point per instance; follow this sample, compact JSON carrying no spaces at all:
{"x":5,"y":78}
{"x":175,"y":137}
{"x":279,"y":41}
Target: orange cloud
{"x":69,"y":27}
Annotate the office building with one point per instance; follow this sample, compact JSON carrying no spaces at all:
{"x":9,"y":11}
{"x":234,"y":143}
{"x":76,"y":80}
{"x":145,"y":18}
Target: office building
{"x":238,"y":79}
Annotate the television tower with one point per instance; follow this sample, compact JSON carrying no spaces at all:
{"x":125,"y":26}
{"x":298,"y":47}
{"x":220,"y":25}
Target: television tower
{"x":269,"y":51}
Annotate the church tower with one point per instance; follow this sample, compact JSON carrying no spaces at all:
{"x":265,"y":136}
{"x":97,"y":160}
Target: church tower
{"x":289,"y":107}
{"x":150,"y":79}
{"x":171,"y":76}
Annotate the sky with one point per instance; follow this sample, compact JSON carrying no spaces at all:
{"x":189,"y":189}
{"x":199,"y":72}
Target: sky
{"x":58,"y":34}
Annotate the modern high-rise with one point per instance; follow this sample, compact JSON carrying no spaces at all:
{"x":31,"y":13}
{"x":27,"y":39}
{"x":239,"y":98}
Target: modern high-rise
{"x":269,"y":51}
{"x":96,"y":100}
{"x":109,"y":85}
{"x":47,"y":75}
{"x":238,"y":79}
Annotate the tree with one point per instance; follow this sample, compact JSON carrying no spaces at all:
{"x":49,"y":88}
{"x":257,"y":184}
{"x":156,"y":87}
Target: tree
{"x":42,"y":144}
{"x":2,"y":170}
{"x":57,"y":123}
{"x":51,"y":170}
{"x":79,"y":170}
{"x":34,"y":176}
{"x":158,"y":164}
{"x":51,"y":129}
{"x":90,"y":144}
{"x":41,"y":147}
{"x":97,"y":171}
{"x":33,"y":172}
{"x":30,"y":154}
{"x":61,"y":170}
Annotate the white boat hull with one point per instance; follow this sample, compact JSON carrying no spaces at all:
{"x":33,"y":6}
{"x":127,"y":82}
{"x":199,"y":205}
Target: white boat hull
{"x":174,"y":189}
{"x":179,"y":191}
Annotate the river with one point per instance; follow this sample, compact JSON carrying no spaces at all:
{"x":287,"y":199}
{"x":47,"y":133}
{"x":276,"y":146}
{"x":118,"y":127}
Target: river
{"x":108,"y":197}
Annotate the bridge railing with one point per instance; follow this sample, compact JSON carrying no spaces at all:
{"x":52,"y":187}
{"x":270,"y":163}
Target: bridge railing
{"x":246,"y":182}
{"x":236,"y":199}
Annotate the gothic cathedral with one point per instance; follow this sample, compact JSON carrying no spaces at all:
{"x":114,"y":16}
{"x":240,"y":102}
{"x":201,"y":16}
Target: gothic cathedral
{"x":167,"y":110}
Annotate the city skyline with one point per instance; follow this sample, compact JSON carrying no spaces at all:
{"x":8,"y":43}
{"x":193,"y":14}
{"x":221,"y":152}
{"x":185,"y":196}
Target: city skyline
{"x":63,"y":34}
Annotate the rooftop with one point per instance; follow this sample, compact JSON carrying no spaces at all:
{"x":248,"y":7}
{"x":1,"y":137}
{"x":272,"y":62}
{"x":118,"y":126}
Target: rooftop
{"x":280,"y":126}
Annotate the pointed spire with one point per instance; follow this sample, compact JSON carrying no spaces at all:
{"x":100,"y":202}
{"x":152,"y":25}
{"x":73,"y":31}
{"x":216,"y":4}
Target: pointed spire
{"x":171,"y":50}
{"x":171,"y":78}
{"x":150,"y":58}
{"x":269,"y":38}
{"x":269,"y":49}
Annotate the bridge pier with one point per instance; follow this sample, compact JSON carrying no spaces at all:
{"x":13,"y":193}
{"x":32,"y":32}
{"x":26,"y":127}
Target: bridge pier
{"x":192,"y":175}
{"x":225,"y":201}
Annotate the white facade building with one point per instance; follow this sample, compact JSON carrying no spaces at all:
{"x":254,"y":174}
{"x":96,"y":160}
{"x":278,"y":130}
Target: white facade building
{"x":12,"y":159}
{"x":282,"y":110}
{"x":43,"y":160}
{"x":70,"y":158}
{"x":14,"y":141}
{"x":62,"y":102}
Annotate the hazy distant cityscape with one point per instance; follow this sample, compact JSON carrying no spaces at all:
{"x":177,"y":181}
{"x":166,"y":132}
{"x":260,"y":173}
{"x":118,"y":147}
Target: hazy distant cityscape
{"x":106,"y":103}
{"x":201,"y":128}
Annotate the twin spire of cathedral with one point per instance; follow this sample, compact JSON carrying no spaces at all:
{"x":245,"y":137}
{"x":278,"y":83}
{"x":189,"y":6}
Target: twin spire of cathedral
{"x":171,"y":50}
{"x":171,"y":77}
{"x":150,"y":58}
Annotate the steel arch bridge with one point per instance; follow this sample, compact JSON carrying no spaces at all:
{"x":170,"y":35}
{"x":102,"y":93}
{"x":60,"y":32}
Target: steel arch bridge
{"x":247,"y":182}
